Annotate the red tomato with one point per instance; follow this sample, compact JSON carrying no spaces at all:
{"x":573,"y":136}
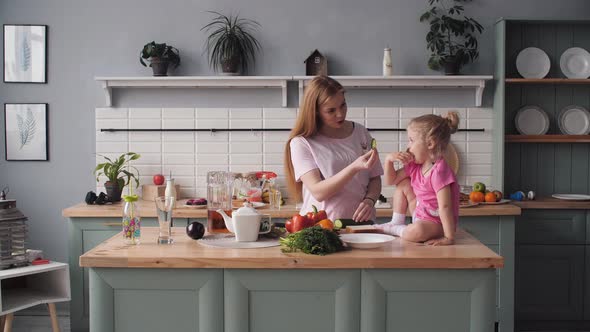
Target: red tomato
{"x":158,"y":179}
{"x":299,"y":222}
{"x":289,"y":225}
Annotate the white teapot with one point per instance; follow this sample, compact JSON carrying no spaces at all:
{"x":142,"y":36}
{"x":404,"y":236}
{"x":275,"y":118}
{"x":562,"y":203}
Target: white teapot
{"x":245,"y":223}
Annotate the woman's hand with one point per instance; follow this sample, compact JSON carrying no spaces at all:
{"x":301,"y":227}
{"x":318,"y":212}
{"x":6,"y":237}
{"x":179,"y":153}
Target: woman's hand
{"x":363,"y":211}
{"x":443,"y":241}
{"x":366,"y":161}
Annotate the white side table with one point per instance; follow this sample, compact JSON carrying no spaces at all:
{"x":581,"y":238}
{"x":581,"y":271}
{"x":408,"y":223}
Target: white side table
{"x":28,"y":286}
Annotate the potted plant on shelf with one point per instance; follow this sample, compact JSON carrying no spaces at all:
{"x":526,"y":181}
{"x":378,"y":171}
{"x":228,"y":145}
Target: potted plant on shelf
{"x":119,"y":174}
{"x":231,"y":44}
{"x":160,"y":57}
{"x":451,"y":39}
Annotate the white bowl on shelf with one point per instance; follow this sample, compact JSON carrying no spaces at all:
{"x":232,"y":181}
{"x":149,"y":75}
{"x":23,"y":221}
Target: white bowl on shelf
{"x":575,"y":63}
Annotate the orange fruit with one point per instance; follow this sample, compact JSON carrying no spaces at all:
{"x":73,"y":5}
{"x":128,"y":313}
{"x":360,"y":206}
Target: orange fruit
{"x":490,"y":197}
{"x":326,"y":223}
{"x":477,"y":197}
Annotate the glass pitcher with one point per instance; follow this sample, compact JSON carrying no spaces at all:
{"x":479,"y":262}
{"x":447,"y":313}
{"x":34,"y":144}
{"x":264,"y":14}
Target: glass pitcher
{"x":219,"y":196}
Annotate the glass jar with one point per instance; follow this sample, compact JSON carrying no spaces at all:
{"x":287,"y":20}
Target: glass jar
{"x":131,"y":220}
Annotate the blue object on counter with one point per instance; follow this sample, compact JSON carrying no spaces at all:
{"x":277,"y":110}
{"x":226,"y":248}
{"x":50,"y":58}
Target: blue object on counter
{"x":517,"y":196}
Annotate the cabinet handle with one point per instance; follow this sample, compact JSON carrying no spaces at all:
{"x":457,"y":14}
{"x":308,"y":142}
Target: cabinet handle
{"x":111,"y":224}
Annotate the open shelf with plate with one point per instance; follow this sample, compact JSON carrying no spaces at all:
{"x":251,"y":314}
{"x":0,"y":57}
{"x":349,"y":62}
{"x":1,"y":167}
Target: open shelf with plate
{"x":547,"y":138}
{"x":547,"y":81}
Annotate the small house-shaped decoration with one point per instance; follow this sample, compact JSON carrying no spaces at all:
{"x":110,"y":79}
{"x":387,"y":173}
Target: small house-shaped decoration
{"x":316,"y":64}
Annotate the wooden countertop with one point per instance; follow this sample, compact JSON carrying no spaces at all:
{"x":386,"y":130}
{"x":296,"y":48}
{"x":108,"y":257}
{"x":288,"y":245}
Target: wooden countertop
{"x":148,"y":209}
{"x":553,"y":203}
{"x":467,"y":253}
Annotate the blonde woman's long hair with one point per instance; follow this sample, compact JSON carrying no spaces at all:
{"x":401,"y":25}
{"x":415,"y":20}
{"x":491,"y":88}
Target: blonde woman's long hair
{"x":319,"y":91}
{"x":436,"y":128}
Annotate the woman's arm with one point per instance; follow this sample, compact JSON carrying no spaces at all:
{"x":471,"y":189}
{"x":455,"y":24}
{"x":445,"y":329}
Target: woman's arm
{"x":365,"y":209}
{"x":445,"y":208}
{"x":324,"y":189}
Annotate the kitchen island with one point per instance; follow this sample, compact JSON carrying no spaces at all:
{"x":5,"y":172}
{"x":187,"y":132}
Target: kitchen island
{"x":188,"y":286}
{"x":89,"y":225}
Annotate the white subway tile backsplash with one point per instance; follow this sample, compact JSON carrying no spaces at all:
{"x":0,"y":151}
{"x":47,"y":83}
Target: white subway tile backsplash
{"x":442,"y":111}
{"x":245,"y":147}
{"x":178,"y":147}
{"x":382,"y":112}
{"x":412,"y":112}
{"x":111,"y":113}
{"x":145,"y":136}
{"x":278,"y":123}
{"x":184,"y":113}
{"x":178,"y":159}
{"x":355,"y":112}
{"x":212,"y":147}
{"x":188,"y":192}
{"x":138,"y":123}
{"x":245,"y":159}
{"x":111,"y":147}
{"x":211,"y":113}
{"x":190,"y":155}
{"x":280,"y":113}
{"x":245,"y":113}
{"x":111,"y":136}
{"x":212,"y":123}
{"x":245,"y":123}
{"x":141,"y":147}
{"x":145,"y":113}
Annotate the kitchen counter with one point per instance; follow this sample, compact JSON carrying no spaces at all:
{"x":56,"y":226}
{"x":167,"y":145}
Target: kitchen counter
{"x":198,"y":288}
{"x":467,"y":253}
{"x":148,"y":209}
{"x":553,"y":203}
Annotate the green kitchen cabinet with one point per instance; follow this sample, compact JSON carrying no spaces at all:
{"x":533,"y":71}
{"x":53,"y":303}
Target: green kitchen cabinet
{"x":85,"y":234}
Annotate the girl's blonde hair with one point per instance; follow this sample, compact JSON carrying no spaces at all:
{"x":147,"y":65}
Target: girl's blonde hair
{"x":436,"y":128}
{"x":318,"y":92}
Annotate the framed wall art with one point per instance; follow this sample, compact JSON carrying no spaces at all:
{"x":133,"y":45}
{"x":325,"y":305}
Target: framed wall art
{"x":25,"y":132}
{"x":25,"y":53}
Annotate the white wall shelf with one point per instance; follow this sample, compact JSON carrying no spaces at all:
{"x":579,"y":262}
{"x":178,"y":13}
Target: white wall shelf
{"x":362,"y":82}
{"x":392,"y":82}
{"x":108,"y":83}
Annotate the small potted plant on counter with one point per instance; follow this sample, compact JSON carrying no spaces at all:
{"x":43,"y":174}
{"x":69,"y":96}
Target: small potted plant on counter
{"x":119,"y":174}
{"x":451,"y":39}
{"x":231,"y":44}
{"x":160,"y":57}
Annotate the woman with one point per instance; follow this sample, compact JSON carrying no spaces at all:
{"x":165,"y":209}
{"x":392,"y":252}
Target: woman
{"x":328,"y":160}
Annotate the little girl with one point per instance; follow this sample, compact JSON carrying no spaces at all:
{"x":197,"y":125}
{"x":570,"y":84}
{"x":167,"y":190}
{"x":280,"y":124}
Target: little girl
{"x":432,"y":192}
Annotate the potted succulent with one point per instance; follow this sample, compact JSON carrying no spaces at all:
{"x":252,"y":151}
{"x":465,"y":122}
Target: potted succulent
{"x":231,"y":44}
{"x":118,"y":174}
{"x":451,"y":39}
{"x":160,"y":57}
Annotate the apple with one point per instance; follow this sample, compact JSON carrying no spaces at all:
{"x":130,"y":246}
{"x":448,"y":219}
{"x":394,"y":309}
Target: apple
{"x":478,"y":186}
{"x":498,"y":195}
{"x":158,"y":179}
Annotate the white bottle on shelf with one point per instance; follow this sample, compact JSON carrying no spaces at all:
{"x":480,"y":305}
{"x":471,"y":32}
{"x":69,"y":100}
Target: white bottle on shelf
{"x":170,"y":188}
{"x":387,"y":64}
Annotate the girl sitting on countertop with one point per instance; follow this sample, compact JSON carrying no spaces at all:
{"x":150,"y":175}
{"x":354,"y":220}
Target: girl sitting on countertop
{"x":426,"y":184}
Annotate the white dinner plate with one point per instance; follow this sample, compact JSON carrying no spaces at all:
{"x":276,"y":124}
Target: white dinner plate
{"x":366,"y":240}
{"x":195,"y":206}
{"x":572,"y":197}
{"x":574,"y":120}
{"x":502,"y":201}
{"x":533,"y":62}
{"x":468,"y":205}
{"x":575,"y":63}
{"x":531,"y":120}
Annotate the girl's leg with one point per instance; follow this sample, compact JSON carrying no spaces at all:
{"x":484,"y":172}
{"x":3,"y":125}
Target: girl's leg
{"x":403,"y":199}
{"x":420,"y":231}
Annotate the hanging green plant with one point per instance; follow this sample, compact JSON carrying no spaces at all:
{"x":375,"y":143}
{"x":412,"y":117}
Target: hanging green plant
{"x":451,"y":39}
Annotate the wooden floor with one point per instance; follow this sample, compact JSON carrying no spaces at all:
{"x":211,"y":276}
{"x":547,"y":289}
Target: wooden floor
{"x":38,"y":324}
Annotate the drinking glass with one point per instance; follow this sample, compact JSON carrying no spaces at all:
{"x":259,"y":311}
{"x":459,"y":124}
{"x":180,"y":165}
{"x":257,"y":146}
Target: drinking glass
{"x":275,"y":199}
{"x":164,"y":205}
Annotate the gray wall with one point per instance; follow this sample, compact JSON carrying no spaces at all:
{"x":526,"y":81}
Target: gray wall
{"x":103,"y":38}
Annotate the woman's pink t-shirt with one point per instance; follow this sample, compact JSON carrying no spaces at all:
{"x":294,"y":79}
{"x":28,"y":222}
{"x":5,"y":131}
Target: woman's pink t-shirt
{"x":426,"y":187}
{"x":330,"y":156}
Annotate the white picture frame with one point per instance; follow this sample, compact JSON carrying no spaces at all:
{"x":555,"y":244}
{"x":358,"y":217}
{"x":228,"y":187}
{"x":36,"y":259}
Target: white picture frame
{"x":26,"y":132}
{"x":25,"y":53}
